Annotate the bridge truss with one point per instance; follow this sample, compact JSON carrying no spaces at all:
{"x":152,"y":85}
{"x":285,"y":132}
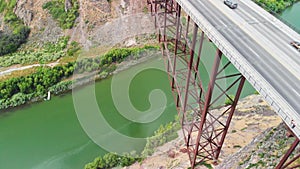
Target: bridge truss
{"x":182,"y":42}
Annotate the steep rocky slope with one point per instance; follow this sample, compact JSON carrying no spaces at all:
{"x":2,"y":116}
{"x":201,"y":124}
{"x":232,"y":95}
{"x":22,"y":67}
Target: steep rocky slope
{"x":264,"y":151}
{"x":257,"y":138}
{"x":100,"y":22}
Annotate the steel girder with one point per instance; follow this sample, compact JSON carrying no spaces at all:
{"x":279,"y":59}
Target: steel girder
{"x":285,"y":162}
{"x":181,"y":43}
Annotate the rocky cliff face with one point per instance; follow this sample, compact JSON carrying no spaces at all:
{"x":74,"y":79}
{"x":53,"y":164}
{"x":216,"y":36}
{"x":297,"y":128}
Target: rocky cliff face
{"x":3,"y":27}
{"x":264,"y":151}
{"x":103,"y":23}
{"x":24,"y":11}
{"x":100,"y":22}
{"x":254,"y":140}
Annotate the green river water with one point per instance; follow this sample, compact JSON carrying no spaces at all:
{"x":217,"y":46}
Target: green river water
{"x":48,"y":134}
{"x":292,"y":15}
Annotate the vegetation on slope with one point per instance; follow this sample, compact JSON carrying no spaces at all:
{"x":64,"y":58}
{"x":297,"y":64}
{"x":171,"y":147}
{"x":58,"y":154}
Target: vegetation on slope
{"x":65,"y":18}
{"x":50,"y":52}
{"x":18,"y":90}
{"x":275,"y":6}
{"x":111,"y":160}
{"x":269,"y":150}
{"x":10,"y":42}
{"x":162,"y":135}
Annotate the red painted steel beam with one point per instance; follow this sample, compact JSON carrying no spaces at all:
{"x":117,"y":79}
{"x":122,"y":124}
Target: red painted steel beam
{"x":207,"y":102}
{"x":178,"y":15}
{"x":281,"y":164}
{"x":190,"y":66}
{"x":196,"y":117}
{"x":186,"y":35}
{"x":233,"y":106}
{"x":165,"y":22}
{"x":199,"y":54}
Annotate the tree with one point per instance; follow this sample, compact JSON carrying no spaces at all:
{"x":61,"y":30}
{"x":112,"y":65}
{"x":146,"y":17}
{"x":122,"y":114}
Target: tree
{"x":111,"y":159}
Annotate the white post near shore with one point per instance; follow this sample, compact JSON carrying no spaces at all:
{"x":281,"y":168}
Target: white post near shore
{"x":48,"y":97}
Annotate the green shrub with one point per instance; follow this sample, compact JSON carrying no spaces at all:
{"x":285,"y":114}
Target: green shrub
{"x":66,"y":19}
{"x":3,"y":5}
{"x":61,"y":87}
{"x":58,"y":46}
{"x":73,"y":48}
{"x":50,"y":52}
{"x":36,"y":83}
{"x":10,"y":17}
{"x":229,"y":101}
{"x":276,"y":6}
{"x":49,"y":79}
{"x":11,"y":42}
{"x":111,"y":160}
{"x":162,"y":135}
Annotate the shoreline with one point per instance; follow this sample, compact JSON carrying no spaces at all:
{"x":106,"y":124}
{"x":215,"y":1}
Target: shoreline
{"x":278,"y":9}
{"x":91,"y":77}
{"x":247,"y":124}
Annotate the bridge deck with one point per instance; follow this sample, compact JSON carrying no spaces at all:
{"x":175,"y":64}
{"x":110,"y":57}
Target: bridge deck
{"x":257,"y":44}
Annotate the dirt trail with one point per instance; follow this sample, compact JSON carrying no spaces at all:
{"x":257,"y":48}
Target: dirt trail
{"x":13,"y":68}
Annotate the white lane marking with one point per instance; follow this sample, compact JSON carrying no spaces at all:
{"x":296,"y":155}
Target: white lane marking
{"x":272,"y":19}
{"x":223,"y":24}
{"x":280,"y":56}
{"x":249,"y":18}
{"x":244,"y":43}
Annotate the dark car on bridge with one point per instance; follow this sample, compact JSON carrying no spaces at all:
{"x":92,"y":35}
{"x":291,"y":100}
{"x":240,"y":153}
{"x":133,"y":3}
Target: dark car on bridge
{"x":231,"y":3}
{"x":296,"y":45}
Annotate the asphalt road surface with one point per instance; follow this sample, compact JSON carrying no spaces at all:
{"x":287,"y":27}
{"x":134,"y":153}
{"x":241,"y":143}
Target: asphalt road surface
{"x":262,"y":41}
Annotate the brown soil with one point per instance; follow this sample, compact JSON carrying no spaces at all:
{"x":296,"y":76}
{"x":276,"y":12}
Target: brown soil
{"x":252,"y":117}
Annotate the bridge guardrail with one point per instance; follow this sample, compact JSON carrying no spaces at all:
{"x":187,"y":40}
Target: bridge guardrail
{"x":283,"y":109}
{"x":275,"y":14}
{"x":286,"y":22}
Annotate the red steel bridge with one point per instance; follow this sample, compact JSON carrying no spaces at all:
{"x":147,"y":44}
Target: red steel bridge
{"x":256,"y":43}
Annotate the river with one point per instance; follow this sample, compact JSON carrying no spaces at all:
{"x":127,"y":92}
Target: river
{"x":292,"y":15}
{"x":48,"y":134}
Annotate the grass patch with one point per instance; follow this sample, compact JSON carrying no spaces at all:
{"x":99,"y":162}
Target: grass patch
{"x":50,"y":52}
{"x":246,"y":160}
{"x":162,"y":135}
{"x":237,"y":146}
{"x":111,"y":160}
{"x":243,"y":129}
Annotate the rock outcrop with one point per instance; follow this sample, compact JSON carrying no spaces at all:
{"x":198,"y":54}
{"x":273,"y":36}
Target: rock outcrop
{"x":264,"y":151}
{"x":68,"y":5}
{"x":100,"y":22}
{"x":24,"y":11}
{"x":252,"y":132}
